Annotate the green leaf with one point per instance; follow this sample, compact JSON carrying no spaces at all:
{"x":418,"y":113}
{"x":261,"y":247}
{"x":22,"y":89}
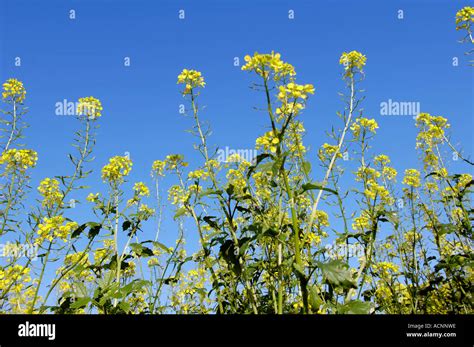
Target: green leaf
{"x":181,"y":211}
{"x":209,"y":191}
{"x":126,"y":225}
{"x":141,"y":250}
{"x":314,"y":299}
{"x":80,"y":303}
{"x":355,"y":307}
{"x":316,"y":186}
{"x":94,"y":229}
{"x":299,"y":271}
{"x":162,"y":246}
{"x":336,"y":273}
{"x":79,"y":230}
{"x":306,"y":167}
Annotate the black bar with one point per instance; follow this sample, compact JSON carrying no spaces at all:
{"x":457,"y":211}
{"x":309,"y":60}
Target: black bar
{"x":241,"y":329}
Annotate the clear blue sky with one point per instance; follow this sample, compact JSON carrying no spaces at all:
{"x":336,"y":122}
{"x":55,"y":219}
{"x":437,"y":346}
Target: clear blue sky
{"x":407,"y":60}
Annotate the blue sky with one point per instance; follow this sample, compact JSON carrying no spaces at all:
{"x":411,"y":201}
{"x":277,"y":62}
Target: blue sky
{"x":408,"y":59}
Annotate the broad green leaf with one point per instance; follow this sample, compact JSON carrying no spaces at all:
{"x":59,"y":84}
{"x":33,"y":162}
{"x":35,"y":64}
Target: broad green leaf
{"x":336,"y":273}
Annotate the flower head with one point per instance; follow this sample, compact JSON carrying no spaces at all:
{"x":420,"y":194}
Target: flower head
{"x":264,"y":64}
{"x":192,"y":79}
{"x":13,"y":90}
{"x":89,"y":107}
{"x":49,"y":189}
{"x":353,"y":62}
{"x":464,"y":18}
{"x":55,"y":227}
{"x":117,"y":168}
{"x":412,"y":178}
{"x":19,"y":159}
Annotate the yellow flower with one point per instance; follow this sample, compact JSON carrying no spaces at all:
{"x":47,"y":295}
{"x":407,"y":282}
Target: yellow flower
{"x":352,"y":61}
{"x":389,"y":172}
{"x":49,"y":189}
{"x":464,"y":18}
{"x":382,"y":159}
{"x":362,"y":222}
{"x":18,"y":159}
{"x":117,"y":168}
{"x":175,"y":162}
{"x":100,"y":254}
{"x":198,"y":174}
{"x":90,"y":107}
{"x":327,"y":151}
{"x":153,"y":262}
{"x":264,"y":64}
{"x":412,"y":178}
{"x":192,"y":79}
{"x":145,"y":211}
{"x":268,"y":141}
{"x":13,"y":90}
{"x":157,"y":168}
{"x":92,"y":197}
{"x":141,"y":189}
{"x":365,"y":123}
{"x":54,"y":227}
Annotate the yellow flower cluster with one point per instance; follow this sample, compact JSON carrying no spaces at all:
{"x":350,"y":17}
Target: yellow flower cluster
{"x":382,"y":159}
{"x":16,"y":274}
{"x":366,"y":125}
{"x":269,"y":141}
{"x":49,"y":189}
{"x":463,"y":180}
{"x":431,"y":132}
{"x":177,"y":195}
{"x":294,"y":141}
{"x":311,"y":238}
{"x":175,"y":162}
{"x":117,"y":168}
{"x":327,"y":152}
{"x":362,"y":222}
{"x":352,"y":62}
{"x":198,"y":174}
{"x":464,"y":18}
{"x":145,"y":212}
{"x":237,"y":179}
{"x":18,"y":159}
{"x":13,"y":90}
{"x":294,"y":91}
{"x":79,"y":260}
{"x":192,"y":79}
{"x":385,"y":269}
{"x":92,"y":197}
{"x":412,"y":178}
{"x":388,"y":172}
{"x":366,"y":173}
{"x":54,"y":227}
{"x":100,"y":254}
{"x":375,"y":190}
{"x":89,"y":107}
{"x":157,"y":168}
{"x":264,"y":64}
{"x":262,"y":181}
{"x":141,"y":189}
